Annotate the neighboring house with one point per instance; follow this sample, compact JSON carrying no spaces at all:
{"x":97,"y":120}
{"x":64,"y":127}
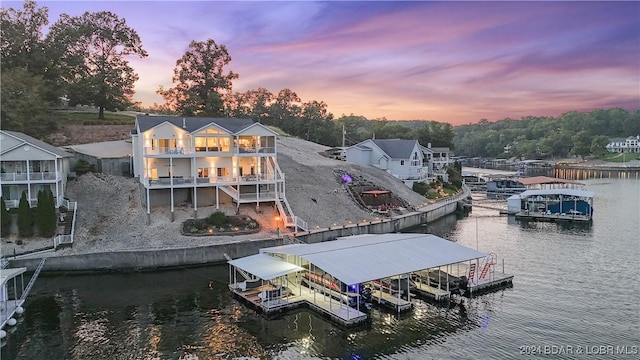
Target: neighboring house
{"x":622,"y":145}
{"x":405,"y":159}
{"x":441,"y":161}
{"x":208,"y":162}
{"x":30,"y":165}
{"x":108,"y":157}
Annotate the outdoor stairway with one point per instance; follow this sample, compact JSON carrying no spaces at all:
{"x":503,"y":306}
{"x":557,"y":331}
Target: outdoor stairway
{"x":68,"y":222}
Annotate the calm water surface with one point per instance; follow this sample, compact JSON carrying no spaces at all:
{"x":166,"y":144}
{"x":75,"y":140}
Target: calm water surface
{"x":574,"y":286}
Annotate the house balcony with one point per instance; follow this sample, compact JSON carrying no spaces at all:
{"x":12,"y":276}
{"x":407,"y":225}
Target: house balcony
{"x":32,"y":177}
{"x":163,"y":151}
{"x":187,"y":181}
{"x":256,"y":150}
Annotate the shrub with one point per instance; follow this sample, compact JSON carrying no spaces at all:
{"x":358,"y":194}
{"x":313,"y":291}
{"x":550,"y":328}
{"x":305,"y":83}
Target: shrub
{"x":4,"y":217}
{"x":420,"y":187}
{"x":83,"y":167}
{"x":217,"y":219}
{"x":25,"y":217}
{"x":46,"y":214}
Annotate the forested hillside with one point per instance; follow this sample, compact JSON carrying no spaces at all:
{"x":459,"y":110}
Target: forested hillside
{"x":572,"y":133}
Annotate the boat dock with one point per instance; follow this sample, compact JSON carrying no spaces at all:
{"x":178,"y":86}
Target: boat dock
{"x":552,"y":205}
{"x":340,"y":278}
{"x":497,"y":281}
{"x":13,"y":294}
{"x":268,"y":300}
{"x":10,"y":304}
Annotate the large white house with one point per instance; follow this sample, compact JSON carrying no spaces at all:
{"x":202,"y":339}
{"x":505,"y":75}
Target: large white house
{"x":622,"y":145}
{"x":30,"y":165}
{"x":208,"y":162}
{"x":405,"y":159}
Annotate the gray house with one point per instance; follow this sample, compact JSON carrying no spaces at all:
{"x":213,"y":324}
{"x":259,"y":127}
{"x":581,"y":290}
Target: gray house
{"x":405,"y":159}
{"x":109,"y":157}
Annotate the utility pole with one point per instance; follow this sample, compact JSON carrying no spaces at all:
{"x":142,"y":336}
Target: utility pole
{"x":344,"y":133}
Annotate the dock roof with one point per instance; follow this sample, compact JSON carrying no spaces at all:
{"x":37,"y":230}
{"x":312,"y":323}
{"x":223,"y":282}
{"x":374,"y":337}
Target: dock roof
{"x":10,"y":273}
{"x":264,"y":266}
{"x":569,"y":192}
{"x":360,"y":258}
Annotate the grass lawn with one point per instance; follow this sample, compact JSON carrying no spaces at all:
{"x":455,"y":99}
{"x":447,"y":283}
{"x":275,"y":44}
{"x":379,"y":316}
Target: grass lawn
{"x":91,"y":118}
{"x":618,"y":158}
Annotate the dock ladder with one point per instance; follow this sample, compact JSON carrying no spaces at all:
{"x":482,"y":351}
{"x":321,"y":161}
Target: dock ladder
{"x":26,"y":290}
{"x":489,"y":261}
{"x":472,"y":273}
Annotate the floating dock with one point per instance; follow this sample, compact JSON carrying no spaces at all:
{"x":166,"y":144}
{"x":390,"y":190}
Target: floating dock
{"x":335,"y":277}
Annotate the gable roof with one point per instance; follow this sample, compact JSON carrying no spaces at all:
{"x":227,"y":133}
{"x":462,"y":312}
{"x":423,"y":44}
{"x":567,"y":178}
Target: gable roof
{"x":37,"y":143}
{"x":396,"y":148}
{"x":192,"y":124}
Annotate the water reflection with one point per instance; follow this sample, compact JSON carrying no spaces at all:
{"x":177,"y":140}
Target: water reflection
{"x":573,"y":228}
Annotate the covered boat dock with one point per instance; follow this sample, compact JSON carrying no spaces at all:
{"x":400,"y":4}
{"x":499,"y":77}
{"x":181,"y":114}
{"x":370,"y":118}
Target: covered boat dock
{"x":554,"y":205}
{"x":330,"y":276}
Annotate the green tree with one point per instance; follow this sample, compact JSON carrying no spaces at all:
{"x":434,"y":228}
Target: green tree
{"x":200,"y":83}
{"x":21,"y":37}
{"x":286,"y":106}
{"x":46,"y":214}
{"x":581,"y":144}
{"x":22,"y":101}
{"x":599,"y":144}
{"x":25,"y":217}
{"x":252,"y":104}
{"x":5,"y":219}
{"x":92,"y":61}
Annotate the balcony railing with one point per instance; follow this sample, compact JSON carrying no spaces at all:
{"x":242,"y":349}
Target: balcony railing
{"x":167,"y":151}
{"x":12,"y":204}
{"x":262,"y":196}
{"x":257,"y":149}
{"x":182,"y":180}
{"x":34,"y":176}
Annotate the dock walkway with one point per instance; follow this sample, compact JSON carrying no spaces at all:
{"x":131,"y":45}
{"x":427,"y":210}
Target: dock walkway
{"x":431,"y":292}
{"x":301,"y":296}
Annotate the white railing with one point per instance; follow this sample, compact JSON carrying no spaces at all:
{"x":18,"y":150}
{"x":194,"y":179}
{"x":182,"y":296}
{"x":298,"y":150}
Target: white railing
{"x":67,"y":239}
{"x":16,"y":203}
{"x":34,"y":176}
{"x":167,"y":151}
{"x":181,"y":180}
{"x":301,"y":224}
{"x":261,"y":196}
{"x":253,"y":150}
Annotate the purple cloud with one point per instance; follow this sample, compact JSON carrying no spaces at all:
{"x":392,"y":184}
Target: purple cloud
{"x":454,"y":62}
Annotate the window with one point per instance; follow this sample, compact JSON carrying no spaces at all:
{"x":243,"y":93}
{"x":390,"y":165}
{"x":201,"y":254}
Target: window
{"x":212,"y":144}
{"x":401,"y":162}
{"x":203,"y":172}
{"x":222,"y":172}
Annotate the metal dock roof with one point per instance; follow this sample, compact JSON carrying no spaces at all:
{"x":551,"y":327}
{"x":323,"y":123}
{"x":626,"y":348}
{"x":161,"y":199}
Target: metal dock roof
{"x":360,"y":258}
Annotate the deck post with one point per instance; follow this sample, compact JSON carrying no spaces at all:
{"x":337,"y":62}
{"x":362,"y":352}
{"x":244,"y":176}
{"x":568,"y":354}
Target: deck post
{"x":447,"y":278}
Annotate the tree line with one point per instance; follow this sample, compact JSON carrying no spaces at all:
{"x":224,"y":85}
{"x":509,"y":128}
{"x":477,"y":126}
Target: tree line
{"x":572,"y":133}
{"x":82,"y":60}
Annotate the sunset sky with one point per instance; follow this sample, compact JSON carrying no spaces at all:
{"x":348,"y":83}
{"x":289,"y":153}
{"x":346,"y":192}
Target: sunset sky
{"x":455,"y":62}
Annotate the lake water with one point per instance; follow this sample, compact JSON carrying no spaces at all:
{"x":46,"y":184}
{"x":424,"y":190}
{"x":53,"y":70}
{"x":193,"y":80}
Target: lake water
{"x":576,"y":294}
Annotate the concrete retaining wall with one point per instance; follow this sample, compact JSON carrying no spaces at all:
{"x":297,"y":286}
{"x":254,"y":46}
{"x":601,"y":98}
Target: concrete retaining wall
{"x":148,"y":259}
{"x":136,"y":260}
